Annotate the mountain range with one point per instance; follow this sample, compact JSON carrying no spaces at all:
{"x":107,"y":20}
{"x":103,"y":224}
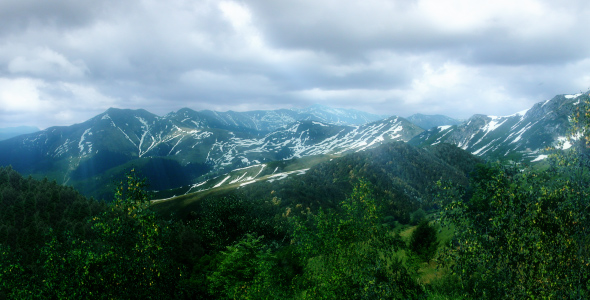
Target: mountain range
{"x":186,"y":148}
{"x":519,"y":137}
{"x":181,"y":147}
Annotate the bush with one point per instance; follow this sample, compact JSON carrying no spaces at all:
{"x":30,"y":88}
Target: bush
{"x":417,"y":216}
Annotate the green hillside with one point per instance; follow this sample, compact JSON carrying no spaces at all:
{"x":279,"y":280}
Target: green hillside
{"x":400,"y":173}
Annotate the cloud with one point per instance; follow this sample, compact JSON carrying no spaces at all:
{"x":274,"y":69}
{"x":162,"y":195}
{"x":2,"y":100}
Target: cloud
{"x":33,"y":101}
{"x":454,"y":57}
{"x":459,"y":28}
{"x":19,"y":95}
{"x":46,"y":62}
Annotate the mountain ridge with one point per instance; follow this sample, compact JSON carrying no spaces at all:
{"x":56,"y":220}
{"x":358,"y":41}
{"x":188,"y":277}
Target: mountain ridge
{"x":187,"y":143}
{"x":430,"y":121}
{"x":520,"y":136}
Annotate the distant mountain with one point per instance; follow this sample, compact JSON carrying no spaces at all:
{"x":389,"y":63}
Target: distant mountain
{"x":429,"y":121}
{"x":339,"y":116}
{"x":10,"y":132}
{"x":265,"y":121}
{"x":519,"y":136}
{"x":181,"y":147}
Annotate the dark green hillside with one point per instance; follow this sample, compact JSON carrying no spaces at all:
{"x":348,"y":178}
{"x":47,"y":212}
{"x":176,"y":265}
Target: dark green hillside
{"x":402,"y":175}
{"x":30,"y":208}
{"x":454,"y":156}
{"x":163,"y":173}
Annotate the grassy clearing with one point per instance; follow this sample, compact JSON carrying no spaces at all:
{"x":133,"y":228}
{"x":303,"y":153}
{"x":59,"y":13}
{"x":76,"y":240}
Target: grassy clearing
{"x":430,"y":271}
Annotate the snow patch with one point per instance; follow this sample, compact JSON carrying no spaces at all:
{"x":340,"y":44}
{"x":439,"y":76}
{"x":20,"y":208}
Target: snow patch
{"x":196,"y":185}
{"x":522,"y":112}
{"x":221,"y":182}
{"x":493,"y":125}
{"x":518,"y":114}
{"x":247,"y":183}
{"x":239,"y":178}
{"x":318,"y":123}
{"x":540,"y":158}
{"x":572,"y":96}
{"x":82,"y":144}
{"x":281,"y":176}
{"x":565,"y":143}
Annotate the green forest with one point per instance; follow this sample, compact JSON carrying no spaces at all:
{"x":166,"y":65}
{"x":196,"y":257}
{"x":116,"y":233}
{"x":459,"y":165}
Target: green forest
{"x":487,"y":230}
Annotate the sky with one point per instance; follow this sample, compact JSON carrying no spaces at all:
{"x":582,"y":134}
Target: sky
{"x":65,"y":61}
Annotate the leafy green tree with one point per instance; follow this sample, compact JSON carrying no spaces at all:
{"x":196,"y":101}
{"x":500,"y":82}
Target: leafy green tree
{"x":15,"y":281}
{"x":417,"y":216}
{"x":423,"y":241}
{"x":247,"y":270}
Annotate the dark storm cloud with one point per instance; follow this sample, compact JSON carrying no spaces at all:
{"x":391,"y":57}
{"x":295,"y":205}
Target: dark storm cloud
{"x":62,"y":62}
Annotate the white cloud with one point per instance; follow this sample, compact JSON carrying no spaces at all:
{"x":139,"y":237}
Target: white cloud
{"x":42,"y":104}
{"x":22,"y":95}
{"x":46,"y":62}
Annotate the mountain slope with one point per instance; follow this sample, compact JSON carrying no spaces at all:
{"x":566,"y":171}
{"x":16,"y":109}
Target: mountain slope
{"x":401,"y":174}
{"x":182,"y":146}
{"x":519,"y":136}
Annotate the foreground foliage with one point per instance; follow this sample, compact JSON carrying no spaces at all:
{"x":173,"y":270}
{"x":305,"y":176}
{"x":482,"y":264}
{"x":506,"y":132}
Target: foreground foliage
{"x":122,"y":255}
{"x":350,"y":255}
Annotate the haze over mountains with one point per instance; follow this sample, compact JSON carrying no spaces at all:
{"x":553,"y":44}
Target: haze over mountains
{"x":429,"y":121}
{"x":186,"y":147}
{"x":10,"y":132}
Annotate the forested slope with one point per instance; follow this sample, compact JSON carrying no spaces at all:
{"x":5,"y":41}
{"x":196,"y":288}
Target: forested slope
{"x":400,"y":173}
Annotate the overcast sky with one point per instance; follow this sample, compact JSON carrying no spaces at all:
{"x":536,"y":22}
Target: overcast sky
{"x":63,"y":62}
